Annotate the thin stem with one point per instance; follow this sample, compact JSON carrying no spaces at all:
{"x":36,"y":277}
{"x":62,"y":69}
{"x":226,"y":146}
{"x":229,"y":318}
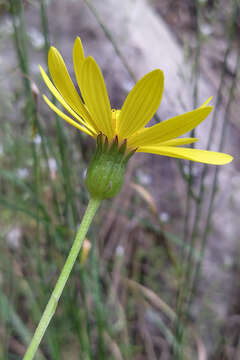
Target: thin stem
{"x":205,"y":168}
{"x":98,"y":302}
{"x":108,"y":34}
{"x":214,"y":120}
{"x":53,"y":301}
{"x":192,"y":272}
{"x":215,"y":179}
{"x":179,"y":330}
{"x":44,"y":21}
{"x":63,"y":143}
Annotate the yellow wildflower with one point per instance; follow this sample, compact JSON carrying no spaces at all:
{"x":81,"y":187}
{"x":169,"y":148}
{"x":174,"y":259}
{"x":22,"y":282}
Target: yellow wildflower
{"x":93,"y":115}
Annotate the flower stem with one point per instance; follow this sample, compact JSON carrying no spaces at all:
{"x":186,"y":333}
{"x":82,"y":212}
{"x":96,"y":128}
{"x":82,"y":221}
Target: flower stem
{"x":67,"y":268}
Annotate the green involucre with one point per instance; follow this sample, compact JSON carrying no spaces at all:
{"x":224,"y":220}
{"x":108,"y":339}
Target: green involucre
{"x":105,"y":175}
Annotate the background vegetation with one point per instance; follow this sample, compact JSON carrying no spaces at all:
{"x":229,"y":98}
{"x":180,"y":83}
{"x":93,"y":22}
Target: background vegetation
{"x":139,"y":295}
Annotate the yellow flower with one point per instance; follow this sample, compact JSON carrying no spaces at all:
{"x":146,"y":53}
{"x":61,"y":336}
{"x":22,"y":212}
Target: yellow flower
{"x":94,"y":116}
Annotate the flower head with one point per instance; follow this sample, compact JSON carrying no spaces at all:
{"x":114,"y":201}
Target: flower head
{"x":94,"y":116}
{"x":91,"y":112}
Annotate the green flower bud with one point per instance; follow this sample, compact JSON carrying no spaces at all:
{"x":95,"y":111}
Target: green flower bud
{"x":105,"y":174}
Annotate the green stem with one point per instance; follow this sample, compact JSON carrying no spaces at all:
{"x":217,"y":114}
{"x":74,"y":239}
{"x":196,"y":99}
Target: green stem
{"x":53,"y":301}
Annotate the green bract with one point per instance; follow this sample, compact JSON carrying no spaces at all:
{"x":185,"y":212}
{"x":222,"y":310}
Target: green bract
{"x":105,"y":175}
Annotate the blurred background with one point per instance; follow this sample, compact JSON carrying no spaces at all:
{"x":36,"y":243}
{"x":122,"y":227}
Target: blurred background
{"x":161,"y":278}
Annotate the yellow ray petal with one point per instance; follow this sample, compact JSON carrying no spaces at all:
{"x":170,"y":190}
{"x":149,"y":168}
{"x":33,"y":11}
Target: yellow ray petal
{"x":171,"y":128}
{"x":78,"y":57}
{"x":62,"y":101}
{"x":95,"y":95}
{"x":65,"y":117}
{"x":180,"y":141}
{"x":64,"y":84}
{"x":202,"y":156}
{"x":141,"y":104}
{"x":206,"y":102}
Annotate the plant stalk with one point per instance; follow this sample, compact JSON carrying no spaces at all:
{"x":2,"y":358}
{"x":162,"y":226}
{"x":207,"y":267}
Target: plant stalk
{"x":67,"y":268}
